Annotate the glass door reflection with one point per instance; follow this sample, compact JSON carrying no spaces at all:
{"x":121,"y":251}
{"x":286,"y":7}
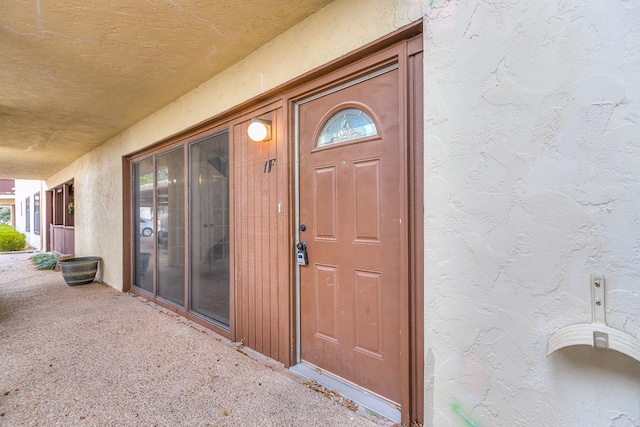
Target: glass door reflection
{"x":170,"y":236}
{"x":209,"y":290}
{"x":143,"y":225}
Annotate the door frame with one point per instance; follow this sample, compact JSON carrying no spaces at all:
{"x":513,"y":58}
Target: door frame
{"x":406,"y":55}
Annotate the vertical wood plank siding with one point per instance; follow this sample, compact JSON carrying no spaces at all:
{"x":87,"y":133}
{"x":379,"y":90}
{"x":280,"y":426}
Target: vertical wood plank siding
{"x":261,"y":207}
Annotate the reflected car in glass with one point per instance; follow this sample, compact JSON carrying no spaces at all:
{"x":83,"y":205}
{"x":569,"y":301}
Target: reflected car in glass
{"x":146,"y":227}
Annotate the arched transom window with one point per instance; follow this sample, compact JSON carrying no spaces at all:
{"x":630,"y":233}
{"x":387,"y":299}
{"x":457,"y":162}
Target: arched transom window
{"x":346,"y":125}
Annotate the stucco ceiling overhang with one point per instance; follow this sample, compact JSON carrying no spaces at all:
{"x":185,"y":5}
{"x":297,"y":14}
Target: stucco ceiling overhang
{"x":74,"y":73}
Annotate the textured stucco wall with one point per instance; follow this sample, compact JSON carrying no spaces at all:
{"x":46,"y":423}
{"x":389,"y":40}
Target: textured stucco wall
{"x":532,"y":159}
{"x":337,"y":29}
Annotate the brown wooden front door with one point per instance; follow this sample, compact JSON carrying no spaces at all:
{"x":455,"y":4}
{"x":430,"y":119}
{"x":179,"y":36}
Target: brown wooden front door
{"x":351,"y":210}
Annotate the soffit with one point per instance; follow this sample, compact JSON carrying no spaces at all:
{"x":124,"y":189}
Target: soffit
{"x":74,"y":73}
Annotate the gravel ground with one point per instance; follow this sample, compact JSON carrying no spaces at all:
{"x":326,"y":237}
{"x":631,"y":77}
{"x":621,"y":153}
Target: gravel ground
{"x":92,"y":356}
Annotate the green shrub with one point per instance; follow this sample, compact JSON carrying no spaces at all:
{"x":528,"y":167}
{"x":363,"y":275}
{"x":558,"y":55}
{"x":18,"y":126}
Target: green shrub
{"x":11,"y":240}
{"x":44,"y":261}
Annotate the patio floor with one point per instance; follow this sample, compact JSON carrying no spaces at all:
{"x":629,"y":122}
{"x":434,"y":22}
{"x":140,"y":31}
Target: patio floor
{"x":92,"y":356}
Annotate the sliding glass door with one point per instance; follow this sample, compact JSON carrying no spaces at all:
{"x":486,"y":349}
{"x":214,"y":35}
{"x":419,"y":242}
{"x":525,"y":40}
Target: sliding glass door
{"x":170,"y":216}
{"x":161,"y":209}
{"x":143,"y":225}
{"x":209,"y":228}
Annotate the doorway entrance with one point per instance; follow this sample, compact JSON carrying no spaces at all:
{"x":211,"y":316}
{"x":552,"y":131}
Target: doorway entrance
{"x":351,"y":210}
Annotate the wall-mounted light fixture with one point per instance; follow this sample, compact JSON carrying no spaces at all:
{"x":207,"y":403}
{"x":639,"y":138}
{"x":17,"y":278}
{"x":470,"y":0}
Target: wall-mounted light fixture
{"x":259,"y":130}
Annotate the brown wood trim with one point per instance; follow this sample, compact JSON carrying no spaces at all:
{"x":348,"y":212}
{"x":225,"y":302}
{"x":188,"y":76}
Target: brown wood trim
{"x":416,"y":227}
{"x":127,"y":233}
{"x":386,"y":57}
{"x":233,"y":320}
{"x":405,"y":338}
{"x":287,"y":312}
{"x":287,"y":345}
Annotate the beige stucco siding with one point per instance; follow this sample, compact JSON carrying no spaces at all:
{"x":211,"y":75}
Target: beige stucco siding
{"x":532,"y":179}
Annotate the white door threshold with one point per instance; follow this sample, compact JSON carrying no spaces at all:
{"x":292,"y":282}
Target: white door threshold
{"x":363,"y":398}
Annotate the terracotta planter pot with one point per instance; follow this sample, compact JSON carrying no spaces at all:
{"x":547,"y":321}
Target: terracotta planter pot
{"x":79,"y":271}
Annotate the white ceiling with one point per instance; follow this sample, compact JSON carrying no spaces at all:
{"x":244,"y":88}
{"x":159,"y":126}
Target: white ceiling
{"x":74,"y":73}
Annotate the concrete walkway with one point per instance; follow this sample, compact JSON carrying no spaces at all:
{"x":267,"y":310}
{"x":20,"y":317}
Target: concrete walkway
{"x":92,"y":356}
